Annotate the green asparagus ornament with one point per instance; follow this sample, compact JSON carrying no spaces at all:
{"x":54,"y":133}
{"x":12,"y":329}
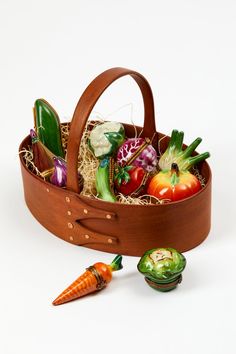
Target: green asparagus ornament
{"x":47,"y":125}
{"x":162,"y":268}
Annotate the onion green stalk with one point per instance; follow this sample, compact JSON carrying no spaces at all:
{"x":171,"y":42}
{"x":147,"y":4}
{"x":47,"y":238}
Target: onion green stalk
{"x":183,"y":158}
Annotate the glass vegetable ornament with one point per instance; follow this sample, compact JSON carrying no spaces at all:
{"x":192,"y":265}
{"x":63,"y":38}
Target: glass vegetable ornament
{"x":173,"y":184}
{"x":131,"y":180}
{"x":137,"y":152}
{"x":162,"y":268}
{"x":59,"y":175}
{"x":104,"y":141}
{"x":95,"y":278}
{"x":47,"y":125}
{"x":183,"y":158}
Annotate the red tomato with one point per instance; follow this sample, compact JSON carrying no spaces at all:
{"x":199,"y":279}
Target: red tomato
{"x":173,"y":184}
{"x":131,"y":180}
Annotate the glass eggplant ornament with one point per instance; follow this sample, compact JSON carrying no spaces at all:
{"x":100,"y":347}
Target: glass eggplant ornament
{"x":162,"y":268}
{"x":47,"y":125}
{"x":95,"y":278}
{"x":175,"y":154}
{"x":43,"y":158}
{"x":104,"y":141}
{"x":59,"y":175}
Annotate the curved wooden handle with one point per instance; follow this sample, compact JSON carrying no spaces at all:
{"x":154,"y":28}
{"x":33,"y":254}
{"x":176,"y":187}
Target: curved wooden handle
{"x":85,"y":106}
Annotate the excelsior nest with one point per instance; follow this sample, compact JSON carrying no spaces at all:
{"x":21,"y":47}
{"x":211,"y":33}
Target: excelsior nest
{"x":88,"y":164}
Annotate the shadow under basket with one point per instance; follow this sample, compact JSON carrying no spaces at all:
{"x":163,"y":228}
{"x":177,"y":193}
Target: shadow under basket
{"x":115,"y":227}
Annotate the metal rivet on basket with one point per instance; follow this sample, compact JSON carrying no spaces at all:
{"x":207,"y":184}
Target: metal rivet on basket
{"x":108,"y":216}
{"x":71,"y":238}
{"x":85,"y":211}
{"x":70,"y":225}
{"x":67,"y":199}
{"x":86,"y":236}
{"x":48,"y":190}
{"x":69,"y":212}
{"x":109,"y":240}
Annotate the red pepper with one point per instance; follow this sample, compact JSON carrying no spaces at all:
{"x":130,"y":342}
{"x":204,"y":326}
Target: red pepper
{"x":173,"y":184}
{"x":131,"y":180}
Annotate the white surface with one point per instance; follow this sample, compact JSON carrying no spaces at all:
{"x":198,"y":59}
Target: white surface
{"x":53,"y":49}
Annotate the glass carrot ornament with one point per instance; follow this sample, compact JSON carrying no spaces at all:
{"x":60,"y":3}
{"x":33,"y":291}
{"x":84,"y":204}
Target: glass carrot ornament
{"x":95,"y":278}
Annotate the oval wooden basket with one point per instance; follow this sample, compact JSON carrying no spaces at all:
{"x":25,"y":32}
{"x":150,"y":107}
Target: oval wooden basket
{"x":115,"y":227}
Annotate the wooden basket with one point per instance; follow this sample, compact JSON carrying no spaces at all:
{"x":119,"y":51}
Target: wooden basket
{"x":115,"y":227}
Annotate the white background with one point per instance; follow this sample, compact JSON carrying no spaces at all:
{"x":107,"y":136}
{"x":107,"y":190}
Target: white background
{"x":53,"y":49}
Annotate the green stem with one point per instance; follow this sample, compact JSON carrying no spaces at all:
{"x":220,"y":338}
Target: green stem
{"x":189,"y":150}
{"x":116,"y":264}
{"x":196,"y":159}
{"x":173,"y":138}
{"x":103,"y":181}
{"x":174,"y":174}
{"x":179,"y":141}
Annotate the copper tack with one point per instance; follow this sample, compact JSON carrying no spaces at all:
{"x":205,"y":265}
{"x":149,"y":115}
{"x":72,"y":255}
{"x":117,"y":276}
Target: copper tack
{"x":70,"y":225}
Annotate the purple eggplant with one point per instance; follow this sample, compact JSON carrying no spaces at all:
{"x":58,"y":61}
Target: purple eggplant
{"x":59,"y":175}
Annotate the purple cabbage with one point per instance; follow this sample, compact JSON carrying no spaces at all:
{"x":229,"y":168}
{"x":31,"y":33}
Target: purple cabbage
{"x":146,"y":158}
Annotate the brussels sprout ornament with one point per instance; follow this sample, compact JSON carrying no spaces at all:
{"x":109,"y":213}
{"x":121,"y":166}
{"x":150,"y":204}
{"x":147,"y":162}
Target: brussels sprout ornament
{"x":162,"y":268}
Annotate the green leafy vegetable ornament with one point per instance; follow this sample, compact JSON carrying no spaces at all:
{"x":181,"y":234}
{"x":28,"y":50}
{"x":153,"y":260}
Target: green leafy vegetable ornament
{"x":104,"y":141}
{"x":162,"y":268}
{"x":183,"y":158}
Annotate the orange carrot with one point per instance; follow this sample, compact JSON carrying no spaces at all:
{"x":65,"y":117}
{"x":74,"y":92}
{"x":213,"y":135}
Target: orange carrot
{"x":95,"y":278}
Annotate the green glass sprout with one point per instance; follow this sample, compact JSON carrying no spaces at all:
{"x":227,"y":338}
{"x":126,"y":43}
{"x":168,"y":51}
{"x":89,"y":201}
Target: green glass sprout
{"x":162,"y":268}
